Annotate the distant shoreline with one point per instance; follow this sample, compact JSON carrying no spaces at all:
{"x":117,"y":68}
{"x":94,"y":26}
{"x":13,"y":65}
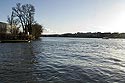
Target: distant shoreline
{"x":106,"y":35}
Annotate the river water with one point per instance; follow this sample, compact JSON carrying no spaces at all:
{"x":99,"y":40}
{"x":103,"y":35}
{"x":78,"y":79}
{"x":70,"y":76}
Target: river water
{"x":63,"y":60}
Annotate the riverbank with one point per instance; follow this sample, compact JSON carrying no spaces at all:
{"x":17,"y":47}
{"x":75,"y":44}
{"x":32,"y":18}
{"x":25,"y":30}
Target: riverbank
{"x":15,"y":41}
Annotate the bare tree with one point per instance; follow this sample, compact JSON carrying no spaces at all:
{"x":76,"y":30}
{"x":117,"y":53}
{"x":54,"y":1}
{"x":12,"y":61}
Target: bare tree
{"x":13,"y":22}
{"x":25,"y":13}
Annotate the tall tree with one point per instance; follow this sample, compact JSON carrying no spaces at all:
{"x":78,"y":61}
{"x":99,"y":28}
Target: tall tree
{"x":25,"y":13}
{"x":13,"y":22}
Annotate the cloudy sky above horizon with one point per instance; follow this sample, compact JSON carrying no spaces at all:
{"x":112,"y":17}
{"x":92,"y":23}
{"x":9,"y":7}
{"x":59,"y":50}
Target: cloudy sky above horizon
{"x":62,"y":16}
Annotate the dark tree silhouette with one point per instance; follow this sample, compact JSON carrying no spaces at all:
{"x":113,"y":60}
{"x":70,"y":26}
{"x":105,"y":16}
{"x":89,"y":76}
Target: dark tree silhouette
{"x":25,"y":14}
{"x":13,"y":22}
{"x":37,"y":30}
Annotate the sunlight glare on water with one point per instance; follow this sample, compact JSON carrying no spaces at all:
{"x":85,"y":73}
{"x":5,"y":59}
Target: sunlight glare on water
{"x":63,"y":60}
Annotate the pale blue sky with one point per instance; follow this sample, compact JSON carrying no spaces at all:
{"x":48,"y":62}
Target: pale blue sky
{"x":60,"y":16}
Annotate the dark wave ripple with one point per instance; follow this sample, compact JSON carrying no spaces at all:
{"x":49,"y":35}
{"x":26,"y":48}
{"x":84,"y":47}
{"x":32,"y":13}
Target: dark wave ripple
{"x":63,"y":60}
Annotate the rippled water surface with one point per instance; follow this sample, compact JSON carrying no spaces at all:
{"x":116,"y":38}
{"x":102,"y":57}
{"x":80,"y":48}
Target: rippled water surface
{"x":63,"y":60}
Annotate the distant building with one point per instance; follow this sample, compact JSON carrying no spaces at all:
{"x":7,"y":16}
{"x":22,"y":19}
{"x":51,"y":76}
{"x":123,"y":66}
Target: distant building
{"x":5,"y":28}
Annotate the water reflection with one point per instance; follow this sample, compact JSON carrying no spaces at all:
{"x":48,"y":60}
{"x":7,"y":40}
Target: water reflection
{"x":16,"y":63}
